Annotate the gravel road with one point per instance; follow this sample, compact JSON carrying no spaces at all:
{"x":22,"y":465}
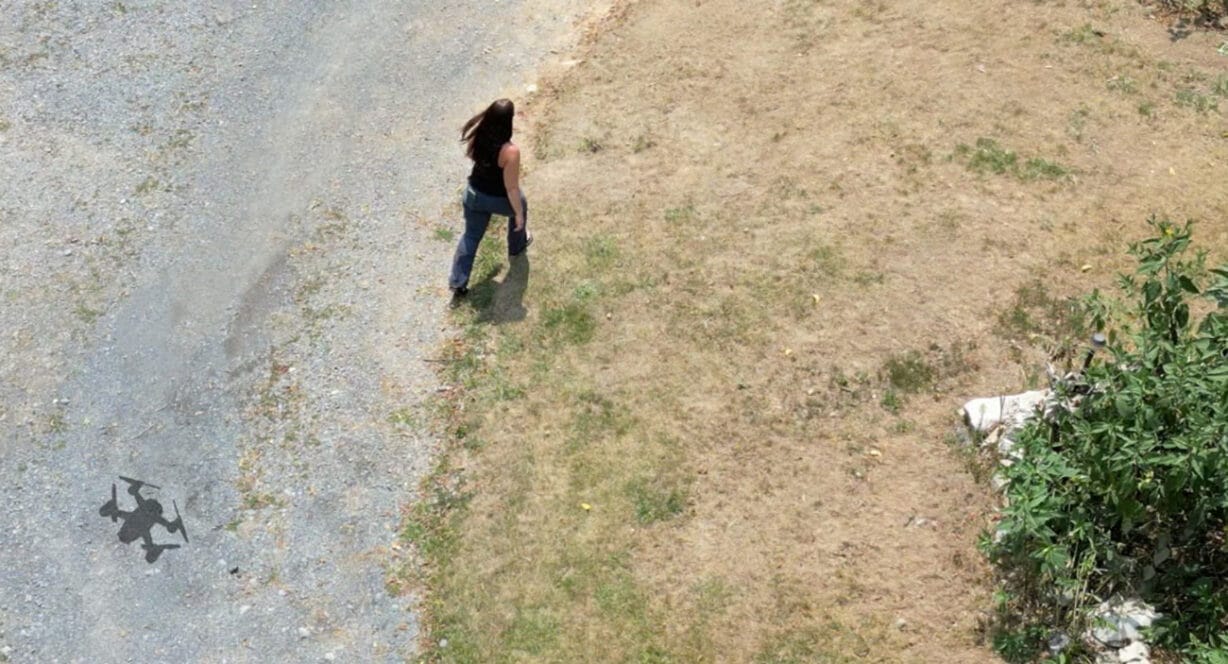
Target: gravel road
{"x":222,"y":275}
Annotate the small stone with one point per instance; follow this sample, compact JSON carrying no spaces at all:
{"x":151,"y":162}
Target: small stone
{"x":330,"y":656}
{"x":1135,"y":653}
{"x":245,"y":608}
{"x":67,"y":252}
{"x":304,"y":632}
{"x":443,"y":643}
{"x":1118,"y":621}
{"x":901,"y":624}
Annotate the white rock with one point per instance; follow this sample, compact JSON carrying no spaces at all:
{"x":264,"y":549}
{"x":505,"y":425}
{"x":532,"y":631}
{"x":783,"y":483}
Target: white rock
{"x":1010,"y":410}
{"x":1117,"y":621}
{"x":1135,"y":653}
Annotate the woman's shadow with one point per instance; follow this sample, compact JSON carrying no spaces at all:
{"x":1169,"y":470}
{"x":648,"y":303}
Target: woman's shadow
{"x":502,"y":301}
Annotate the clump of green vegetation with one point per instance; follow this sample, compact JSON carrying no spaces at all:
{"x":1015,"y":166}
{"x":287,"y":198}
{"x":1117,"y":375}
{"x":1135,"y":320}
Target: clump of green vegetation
{"x":654,"y":501}
{"x":680,"y":214}
{"x":1193,"y":99}
{"x":827,"y":260}
{"x":909,"y":372}
{"x":1083,"y":34}
{"x":1038,"y":316}
{"x":987,"y":156}
{"x":1122,"y":491}
{"x":571,"y":322}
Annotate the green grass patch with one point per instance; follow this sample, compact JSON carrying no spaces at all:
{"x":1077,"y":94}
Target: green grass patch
{"x":1195,"y":100}
{"x":655,"y":501}
{"x":987,"y":156}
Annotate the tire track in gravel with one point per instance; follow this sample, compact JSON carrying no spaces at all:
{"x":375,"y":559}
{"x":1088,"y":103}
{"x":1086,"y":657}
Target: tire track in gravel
{"x":267,"y":310}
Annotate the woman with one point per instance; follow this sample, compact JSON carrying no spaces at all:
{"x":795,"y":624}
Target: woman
{"x":494,"y":188}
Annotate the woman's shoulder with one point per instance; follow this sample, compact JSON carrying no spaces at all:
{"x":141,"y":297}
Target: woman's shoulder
{"x":508,"y":152}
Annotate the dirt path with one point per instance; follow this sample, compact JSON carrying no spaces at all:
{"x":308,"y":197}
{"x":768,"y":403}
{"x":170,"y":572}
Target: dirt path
{"x":218,"y":278}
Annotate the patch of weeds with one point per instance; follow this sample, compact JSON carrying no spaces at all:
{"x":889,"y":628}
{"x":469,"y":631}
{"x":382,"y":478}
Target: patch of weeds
{"x":1219,"y":89}
{"x":5,"y":125}
{"x":1084,"y":34}
{"x":443,"y":234}
{"x":1042,"y":169}
{"x":1192,"y":99}
{"x":712,"y":595}
{"x":148,"y":185}
{"x":641,"y":143}
{"x":591,"y":145}
{"x":913,"y":156}
{"x":336,"y":225}
{"x":586,"y":291}
{"x":256,"y":500}
{"x":909,"y":372}
{"x":1035,"y":315}
{"x":990,"y":157}
{"x":953,"y":360}
{"x":597,"y":416}
{"x":1122,"y":84}
{"x":868,"y":278}
{"x":1146,"y":109}
{"x":572,"y":323}
{"x":680,"y":214}
{"x":1076,"y":122}
{"x":788,"y":188}
{"x":891,"y":402}
{"x":600,"y":251}
{"x":826,"y":260}
{"x":532,"y":632}
{"x":56,"y":423}
{"x":404,"y":417}
{"x":1020,"y":645}
{"x":654,"y":502}
{"x":86,"y":315}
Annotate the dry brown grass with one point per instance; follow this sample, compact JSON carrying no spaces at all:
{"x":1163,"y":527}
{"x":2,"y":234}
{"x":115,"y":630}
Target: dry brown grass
{"x":765,"y":278}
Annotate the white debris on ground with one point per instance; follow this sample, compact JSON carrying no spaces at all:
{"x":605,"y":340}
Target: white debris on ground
{"x":998,"y":418}
{"x":1009,"y":411}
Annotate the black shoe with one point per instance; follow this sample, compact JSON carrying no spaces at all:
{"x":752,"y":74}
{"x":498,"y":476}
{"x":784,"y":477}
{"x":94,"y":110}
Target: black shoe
{"x":460,"y":291}
{"x":528,"y":241}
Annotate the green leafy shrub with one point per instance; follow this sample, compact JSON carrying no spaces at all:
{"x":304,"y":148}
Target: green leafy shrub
{"x":1125,"y":488}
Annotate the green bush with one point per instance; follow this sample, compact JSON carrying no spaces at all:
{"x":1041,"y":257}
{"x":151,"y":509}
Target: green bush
{"x":1125,"y":488}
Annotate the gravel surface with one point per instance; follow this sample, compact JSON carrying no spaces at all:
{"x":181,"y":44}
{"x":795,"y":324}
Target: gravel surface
{"x":221,"y":274}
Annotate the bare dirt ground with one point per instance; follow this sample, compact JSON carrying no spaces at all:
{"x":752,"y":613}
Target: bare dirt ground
{"x":780,"y":242}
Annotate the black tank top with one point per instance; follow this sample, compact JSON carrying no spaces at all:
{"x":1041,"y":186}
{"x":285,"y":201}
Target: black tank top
{"x":487,"y":176}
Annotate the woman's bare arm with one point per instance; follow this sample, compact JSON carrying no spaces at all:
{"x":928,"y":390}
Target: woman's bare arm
{"x":509,"y":157}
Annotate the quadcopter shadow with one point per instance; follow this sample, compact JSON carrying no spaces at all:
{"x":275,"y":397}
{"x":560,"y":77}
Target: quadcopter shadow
{"x":139,"y":523}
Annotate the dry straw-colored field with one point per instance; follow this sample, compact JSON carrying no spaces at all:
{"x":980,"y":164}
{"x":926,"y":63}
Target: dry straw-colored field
{"x":779,"y":242}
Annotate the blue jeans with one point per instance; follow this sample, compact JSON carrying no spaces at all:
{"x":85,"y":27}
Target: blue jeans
{"x":478,"y":208}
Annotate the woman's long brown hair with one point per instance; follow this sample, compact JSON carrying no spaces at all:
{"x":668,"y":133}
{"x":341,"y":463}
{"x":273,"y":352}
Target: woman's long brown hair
{"x":487,"y":131}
